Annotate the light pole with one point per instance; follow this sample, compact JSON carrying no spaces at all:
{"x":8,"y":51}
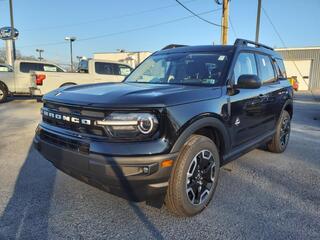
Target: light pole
{"x":12,"y":31}
{"x":40,"y":51}
{"x":71,"y":39}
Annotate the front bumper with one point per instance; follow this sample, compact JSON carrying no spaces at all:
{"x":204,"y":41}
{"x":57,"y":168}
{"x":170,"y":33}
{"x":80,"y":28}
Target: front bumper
{"x":136,"y":178}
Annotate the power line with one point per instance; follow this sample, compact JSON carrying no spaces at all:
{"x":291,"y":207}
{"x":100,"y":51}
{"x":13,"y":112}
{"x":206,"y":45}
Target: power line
{"x":121,"y":32}
{"x":232,"y":27}
{"x":104,"y":18}
{"x":283,"y":43}
{"x":196,"y":15}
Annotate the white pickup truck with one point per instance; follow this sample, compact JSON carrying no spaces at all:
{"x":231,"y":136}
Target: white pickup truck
{"x":37,"y":78}
{"x":89,"y":71}
{"x":19,"y":80}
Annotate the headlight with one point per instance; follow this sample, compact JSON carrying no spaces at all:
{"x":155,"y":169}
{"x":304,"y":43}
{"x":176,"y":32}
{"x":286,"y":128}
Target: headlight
{"x":129,"y":125}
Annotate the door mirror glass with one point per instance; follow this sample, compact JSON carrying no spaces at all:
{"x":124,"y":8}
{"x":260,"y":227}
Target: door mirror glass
{"x":248,"y":81}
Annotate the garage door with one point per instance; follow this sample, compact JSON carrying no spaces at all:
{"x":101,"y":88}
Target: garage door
{"x":304,"y":67}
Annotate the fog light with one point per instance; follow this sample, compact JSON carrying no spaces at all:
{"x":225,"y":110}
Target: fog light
{"x":146,"y":170}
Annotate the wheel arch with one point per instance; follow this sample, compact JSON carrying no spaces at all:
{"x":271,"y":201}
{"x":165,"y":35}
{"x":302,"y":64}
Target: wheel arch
{"x":210,"y":127}
{"x":67,"y":84}
{"x":288,"y":106}
{"x":4,"y":85}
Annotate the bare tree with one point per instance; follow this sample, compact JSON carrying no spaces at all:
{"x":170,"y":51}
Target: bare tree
{"x":3,"y":56}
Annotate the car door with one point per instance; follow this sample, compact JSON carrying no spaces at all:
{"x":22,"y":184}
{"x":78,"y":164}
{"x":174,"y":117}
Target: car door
{"x":247,"y":105}
{"x":271,"y":88}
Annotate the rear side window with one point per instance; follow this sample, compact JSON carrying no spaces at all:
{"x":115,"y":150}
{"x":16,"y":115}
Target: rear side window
{"x":266,"y":71}
{"x":112,"y":69}
{"x":104,"y":68}
{"x":281,"y":68}
{"x":29,"y":67}
{"x":245,"y":64}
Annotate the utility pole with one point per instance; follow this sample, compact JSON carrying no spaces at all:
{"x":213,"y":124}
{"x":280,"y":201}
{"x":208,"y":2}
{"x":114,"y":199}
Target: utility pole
{"x":258,"y":20}
{"x":12,"y":31}
{"x":71,"y":39}
{"x":40,"y":51}
{"x":225,"y":18}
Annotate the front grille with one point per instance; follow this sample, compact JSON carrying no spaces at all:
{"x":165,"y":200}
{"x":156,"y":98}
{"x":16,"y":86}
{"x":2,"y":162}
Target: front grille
{"x":67,"y":143}
{"x":77,"y":112}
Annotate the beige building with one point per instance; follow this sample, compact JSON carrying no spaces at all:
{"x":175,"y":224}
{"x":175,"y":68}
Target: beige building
{"x":304,"y":63}
{"x":131,"y":58}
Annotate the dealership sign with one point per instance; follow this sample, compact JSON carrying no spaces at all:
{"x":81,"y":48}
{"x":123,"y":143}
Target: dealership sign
{"x":5,"y":33}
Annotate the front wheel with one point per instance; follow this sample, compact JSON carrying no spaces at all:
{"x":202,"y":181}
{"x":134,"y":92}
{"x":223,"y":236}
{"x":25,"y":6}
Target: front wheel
{"x":3,"y":94}
{"x":280,"y":139}
{"x":194,"y":177}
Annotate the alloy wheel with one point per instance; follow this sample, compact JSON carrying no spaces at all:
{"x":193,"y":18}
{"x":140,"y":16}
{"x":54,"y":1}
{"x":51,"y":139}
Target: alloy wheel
{"x":200,"y":177}
{"x":285,"y":131}
{"x":1,"y":94}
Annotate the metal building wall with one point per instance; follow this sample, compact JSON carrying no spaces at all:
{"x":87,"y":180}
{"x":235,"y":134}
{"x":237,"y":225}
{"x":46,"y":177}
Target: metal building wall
{"x":313,"y":54}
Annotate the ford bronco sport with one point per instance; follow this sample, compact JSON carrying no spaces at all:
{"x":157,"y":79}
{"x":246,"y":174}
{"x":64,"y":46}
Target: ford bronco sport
{"x":164,"y":132}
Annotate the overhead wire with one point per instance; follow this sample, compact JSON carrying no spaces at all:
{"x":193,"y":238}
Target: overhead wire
{"x":122,"y":32}
{"x":196,"y":15}
{"x":104,"y":18}
{"x":284,"y":44}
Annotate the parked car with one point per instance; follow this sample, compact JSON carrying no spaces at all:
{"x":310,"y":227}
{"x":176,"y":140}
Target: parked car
{"x":163,"y":134}
{"x":294,"y":82}
{"x":92,"y":71}
{"x":18,"y":80}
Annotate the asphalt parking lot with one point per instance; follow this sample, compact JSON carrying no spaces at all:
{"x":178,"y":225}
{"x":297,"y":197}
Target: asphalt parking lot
{"x":259,"y":196}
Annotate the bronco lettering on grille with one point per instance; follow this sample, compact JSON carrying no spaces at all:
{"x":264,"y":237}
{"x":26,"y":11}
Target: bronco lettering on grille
{"x":66,"y":118}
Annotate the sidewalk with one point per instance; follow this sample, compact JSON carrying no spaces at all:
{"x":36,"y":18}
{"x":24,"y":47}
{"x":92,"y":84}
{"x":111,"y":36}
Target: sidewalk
{"x":307,"y":95}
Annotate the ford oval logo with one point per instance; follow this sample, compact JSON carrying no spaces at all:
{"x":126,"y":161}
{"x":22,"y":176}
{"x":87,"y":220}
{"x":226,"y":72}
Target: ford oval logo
{"x":5,"y":33}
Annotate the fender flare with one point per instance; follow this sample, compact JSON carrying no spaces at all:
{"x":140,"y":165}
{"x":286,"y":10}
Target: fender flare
{"x":201,"y":123}
{"x":288,"y":102}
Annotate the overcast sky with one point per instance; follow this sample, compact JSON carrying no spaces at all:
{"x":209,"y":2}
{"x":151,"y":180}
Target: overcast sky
{"x":103,"y":26}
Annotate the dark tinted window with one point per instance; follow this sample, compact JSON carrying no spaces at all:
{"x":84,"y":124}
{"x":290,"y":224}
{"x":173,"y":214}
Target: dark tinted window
{"x":104,"y":68}
{"x":245,"y":64}
{"x":29,"y":67}
{"x":266,"y":71}
{"x":281,"y":68}
{"x":112,"y":69}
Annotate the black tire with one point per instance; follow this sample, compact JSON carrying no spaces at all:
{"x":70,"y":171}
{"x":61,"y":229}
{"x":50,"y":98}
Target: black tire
{"x":280,"y":139}
{"x":3,"y":94}
{"x":182,"y":201}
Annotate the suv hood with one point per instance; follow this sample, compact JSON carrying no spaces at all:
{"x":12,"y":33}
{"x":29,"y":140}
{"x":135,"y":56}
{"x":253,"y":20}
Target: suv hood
{"x":124,"y":95}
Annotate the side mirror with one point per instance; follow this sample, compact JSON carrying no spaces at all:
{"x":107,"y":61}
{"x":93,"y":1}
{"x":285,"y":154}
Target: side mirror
{"x":249,"y":81}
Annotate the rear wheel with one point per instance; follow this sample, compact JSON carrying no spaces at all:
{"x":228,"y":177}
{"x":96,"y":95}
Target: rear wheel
{"x":194,"y":177}
{"x":3,"y":93}
{"x":280,"y":139}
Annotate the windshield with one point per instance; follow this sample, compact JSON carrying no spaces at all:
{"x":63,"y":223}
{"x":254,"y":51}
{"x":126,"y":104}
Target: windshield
{"x":181,"y":68}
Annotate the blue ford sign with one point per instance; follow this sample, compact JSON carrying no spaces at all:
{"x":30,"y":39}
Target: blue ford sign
{"x":5,"y":33}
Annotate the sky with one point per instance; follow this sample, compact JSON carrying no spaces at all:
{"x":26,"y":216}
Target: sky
{"x":149,"y":25}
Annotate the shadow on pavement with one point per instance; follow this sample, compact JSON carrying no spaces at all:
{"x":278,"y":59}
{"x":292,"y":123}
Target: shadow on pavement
{"x":27,"y":212}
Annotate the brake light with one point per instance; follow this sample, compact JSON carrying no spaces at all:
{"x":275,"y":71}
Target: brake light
{"x":40,"y":78}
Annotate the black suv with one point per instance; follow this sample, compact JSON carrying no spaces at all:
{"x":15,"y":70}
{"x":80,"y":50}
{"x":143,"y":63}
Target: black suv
{"x":164,"y":132}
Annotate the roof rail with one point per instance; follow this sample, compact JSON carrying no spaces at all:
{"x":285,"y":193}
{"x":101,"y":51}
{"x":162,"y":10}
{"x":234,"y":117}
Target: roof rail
{"x":173,"y":46}
{"x":245,"y":42}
